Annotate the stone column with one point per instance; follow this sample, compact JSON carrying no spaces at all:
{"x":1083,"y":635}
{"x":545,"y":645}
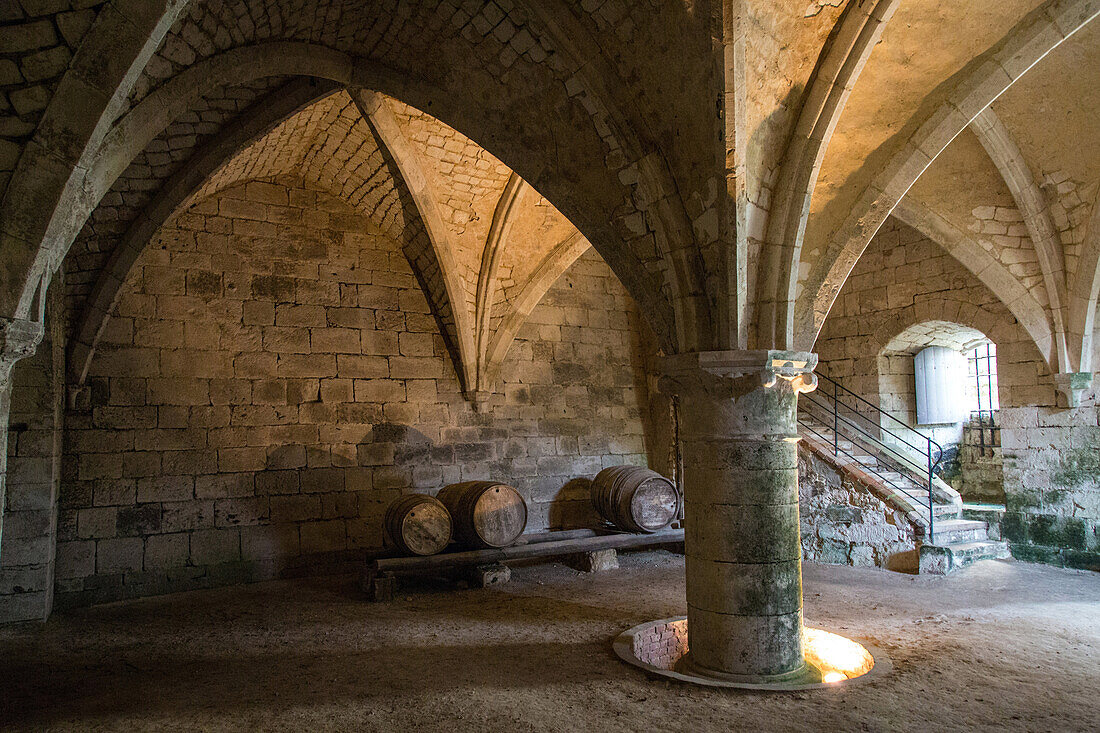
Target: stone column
{"x":18,"y":339}
{"x":743,"y":554}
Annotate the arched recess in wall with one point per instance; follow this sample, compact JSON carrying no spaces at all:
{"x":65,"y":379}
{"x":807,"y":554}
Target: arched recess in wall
{"x":921,"y":140}
{"x":896,"y":391}
{"x":664,"y":283}
{"x":989,"y":323}
{"x":1008,"y":290}
{"x":247,"y":128}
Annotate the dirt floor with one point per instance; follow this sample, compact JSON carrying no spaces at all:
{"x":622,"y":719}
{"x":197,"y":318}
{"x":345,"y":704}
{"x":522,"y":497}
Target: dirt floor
{"x":999,"y":646}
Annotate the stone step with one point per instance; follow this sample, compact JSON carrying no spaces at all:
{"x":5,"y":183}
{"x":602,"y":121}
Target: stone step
{"x":920,"y":499}
{"x":943,"y":559}
{"x":955,"y":531}
{"x":945,"y":511}
{"x":902,"y":480}
{"x":991,"y":514}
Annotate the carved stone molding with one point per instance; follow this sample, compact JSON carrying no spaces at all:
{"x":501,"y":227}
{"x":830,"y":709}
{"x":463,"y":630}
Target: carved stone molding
{"x":1073,"y":386}
{"x":19,"y":338}
{"x":731,"y":374}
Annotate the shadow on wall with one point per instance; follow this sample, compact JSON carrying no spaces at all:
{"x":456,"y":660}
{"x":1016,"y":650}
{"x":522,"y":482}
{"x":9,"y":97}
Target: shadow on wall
{"x":572,"y":506}
{"x":321,"y":484}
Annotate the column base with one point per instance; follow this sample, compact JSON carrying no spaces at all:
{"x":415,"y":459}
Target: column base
{"x":660,"y":648}
{"x":804,"y":675}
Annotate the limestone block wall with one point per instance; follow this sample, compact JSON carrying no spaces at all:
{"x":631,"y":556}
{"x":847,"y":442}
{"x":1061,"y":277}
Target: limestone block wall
{"x":981,"y":470}
{"x":1052,"y":484}
{"x":1050,"y":453}
{"x":272,"y":378}
{"x":34,"y":453}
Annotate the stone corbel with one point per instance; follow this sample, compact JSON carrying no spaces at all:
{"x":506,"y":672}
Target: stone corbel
{"x":1073,"y":386}
{"x":480,"y":399}
{"x":19,"y":338}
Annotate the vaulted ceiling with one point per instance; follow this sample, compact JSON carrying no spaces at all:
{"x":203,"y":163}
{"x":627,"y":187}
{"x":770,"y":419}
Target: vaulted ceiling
{"x":484,"y":245}
{"x":729,"y":160}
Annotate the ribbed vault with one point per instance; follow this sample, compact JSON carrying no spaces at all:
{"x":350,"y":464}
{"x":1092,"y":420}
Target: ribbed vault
{"x":483,"y":244}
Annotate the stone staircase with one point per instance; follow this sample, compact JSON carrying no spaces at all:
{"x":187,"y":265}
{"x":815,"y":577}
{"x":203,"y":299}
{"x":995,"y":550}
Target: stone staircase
{"x":955,"y":543}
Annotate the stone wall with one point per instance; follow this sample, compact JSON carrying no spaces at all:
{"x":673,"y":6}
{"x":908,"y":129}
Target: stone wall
{"x":1050,"y":453}
{"x":1052,"y":484}
{"x":844,"y":523}
{"x":272,"y":378}
{"x":34,"y":450}
{"x":980,"y":476}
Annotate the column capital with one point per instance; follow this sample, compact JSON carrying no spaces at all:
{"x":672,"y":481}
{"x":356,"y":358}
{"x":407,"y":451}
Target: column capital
{"x":19,"y":338}
{"x":731,"y":373}
{"x":1073,"y":385}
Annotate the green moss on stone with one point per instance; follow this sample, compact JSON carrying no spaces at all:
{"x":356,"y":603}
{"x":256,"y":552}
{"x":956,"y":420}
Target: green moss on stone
{"x":1079,"y":466}
{"x":1052,"y":531}
{"x":1036,"y":553}
{"x":1014,"y":527}
{"x":1082,"y":560}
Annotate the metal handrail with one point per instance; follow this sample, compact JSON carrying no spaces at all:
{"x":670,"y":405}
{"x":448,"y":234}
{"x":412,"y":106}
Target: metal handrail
{"x":833,"y":404}
{"x":901,"y":462}
{"x":879,"y":474}
{"x":872,"y":405}
{"x":886,"y":446}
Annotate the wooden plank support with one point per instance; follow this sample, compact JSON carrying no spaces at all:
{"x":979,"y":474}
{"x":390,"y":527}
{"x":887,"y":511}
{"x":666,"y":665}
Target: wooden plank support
{"x":379,"y":586}
{"x":548,"y":548}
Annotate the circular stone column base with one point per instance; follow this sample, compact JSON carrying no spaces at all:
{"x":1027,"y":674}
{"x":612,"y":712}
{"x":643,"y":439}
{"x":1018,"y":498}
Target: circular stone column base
{"x":660,"y":648}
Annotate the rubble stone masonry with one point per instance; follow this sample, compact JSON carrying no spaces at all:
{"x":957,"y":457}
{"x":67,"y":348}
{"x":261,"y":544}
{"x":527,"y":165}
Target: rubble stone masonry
{"x":1050,"y":453}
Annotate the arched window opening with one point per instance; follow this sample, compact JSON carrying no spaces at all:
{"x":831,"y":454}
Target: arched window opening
{"x":982,"y":368}
{"x":941,"y":379}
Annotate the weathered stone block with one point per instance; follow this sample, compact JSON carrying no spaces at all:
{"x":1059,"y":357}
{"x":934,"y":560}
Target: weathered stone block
{"x":166,"y":551}
{"x":488,"y":575}
{"x":214,"y":546}
{"x":595,"y":562}
{"x":119,"y":555}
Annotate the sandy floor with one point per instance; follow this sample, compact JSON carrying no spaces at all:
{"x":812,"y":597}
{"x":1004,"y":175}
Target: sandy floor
{"x":1000,"y":646}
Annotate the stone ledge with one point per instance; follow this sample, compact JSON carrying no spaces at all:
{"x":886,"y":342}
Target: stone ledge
{"x":658,"y":646}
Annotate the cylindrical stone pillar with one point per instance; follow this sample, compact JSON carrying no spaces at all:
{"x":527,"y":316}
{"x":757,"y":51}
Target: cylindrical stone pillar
{"x":742,"y":540}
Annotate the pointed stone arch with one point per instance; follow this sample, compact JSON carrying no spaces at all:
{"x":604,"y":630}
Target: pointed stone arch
{"x":1018,"y":300}
{"x":256,"y":121}
{"x":34,"y":232}
{"x":845,"y":56}
{"x":552,"y":267}
{"x":927,"y":134}
{"x":653,"y":261}
{"x":1031,"y":202}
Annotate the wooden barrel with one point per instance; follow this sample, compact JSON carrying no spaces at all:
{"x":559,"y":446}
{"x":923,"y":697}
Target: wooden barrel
{"x":418,"y":524}
{"x":486,"y":513}
{"x":635,"y":499}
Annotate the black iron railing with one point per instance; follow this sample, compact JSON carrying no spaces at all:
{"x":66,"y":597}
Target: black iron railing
{"x":985,"y":422}
{"x":855,"y":423}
